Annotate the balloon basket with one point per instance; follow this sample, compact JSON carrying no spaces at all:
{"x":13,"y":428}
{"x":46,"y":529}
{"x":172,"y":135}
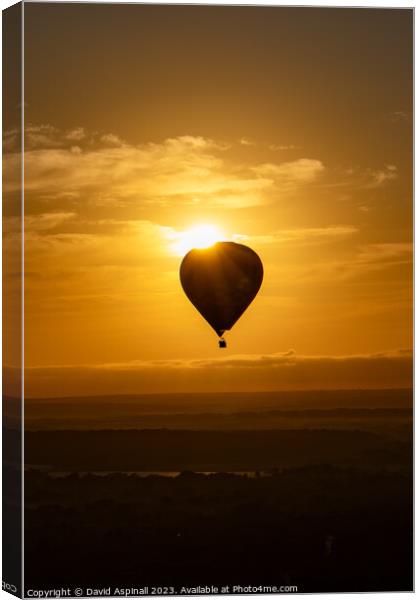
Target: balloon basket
{"x":222,"y":343}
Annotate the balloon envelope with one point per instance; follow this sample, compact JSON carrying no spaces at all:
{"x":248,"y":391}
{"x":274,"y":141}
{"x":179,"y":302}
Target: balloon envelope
{"x":221,"y":282}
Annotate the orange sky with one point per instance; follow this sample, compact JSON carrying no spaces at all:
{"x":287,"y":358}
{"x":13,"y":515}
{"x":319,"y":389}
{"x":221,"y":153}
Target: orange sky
{"x":289,"y":129}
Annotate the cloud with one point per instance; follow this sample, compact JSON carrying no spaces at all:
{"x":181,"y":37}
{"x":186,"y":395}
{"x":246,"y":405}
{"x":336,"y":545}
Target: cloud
{"x":277,"y":147}
{"x":398,"y":115}
{"x":76,"y":134}
{"x":381,"y":176}
{"x":11,"y":141}
{"x":264,"y":372}
{"x":102,"y":169}
{"x":301,"y":170}
{"x":305,"y":235}
{"x":366,"y":259}
{"x":72,"y":266}
{"x":373,"y":257}
{"x":246,"y":142}
{"x":355,"y":178}
{"x":112,"y":139}
{"x":377,"y":257}
{"x":188,"y":169}
{"x":47,"y":221}
{"x":42,"y":136}
{"x":89,"y":245}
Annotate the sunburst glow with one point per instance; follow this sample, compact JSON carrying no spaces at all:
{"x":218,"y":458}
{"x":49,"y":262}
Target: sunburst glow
{"x":200,"y":236}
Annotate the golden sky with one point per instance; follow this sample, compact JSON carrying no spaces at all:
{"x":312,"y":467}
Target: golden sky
{"x":288,"y":129}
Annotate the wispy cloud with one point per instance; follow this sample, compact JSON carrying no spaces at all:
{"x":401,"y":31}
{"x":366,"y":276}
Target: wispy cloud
{"x":47,"y":221}
{"x":112,"y":139}
{"x":381,"y":176}
{"x":398,"y":115}
{"x":43,"y":136}
{"x":76,"y":134}
{"x":246,"y":142}
{"x":305,"y":235}
{"x":279,"y":371}
{"x":366,"y":259}
{"x":282,"y":147}
{"x":301,"y":170}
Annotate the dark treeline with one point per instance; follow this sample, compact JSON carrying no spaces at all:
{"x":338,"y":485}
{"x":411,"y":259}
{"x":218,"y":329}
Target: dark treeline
{"x":323,"y":528}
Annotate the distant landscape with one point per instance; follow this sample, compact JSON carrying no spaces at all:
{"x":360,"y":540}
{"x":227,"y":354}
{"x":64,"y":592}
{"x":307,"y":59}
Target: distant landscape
{"x":287,"y":488}
{"x":387,"y":409}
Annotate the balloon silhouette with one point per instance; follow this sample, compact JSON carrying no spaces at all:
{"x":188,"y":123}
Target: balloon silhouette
{"x":221,"y":281}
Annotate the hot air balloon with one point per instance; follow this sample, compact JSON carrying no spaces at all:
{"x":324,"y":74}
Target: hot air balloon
{"x":221,"y":282}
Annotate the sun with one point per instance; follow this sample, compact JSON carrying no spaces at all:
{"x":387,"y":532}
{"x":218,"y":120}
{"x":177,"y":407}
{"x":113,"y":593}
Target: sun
{"x":200,"y":236}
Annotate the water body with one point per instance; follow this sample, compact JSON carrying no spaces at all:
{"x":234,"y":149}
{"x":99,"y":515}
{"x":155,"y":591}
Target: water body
{"x":172,"y":474}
